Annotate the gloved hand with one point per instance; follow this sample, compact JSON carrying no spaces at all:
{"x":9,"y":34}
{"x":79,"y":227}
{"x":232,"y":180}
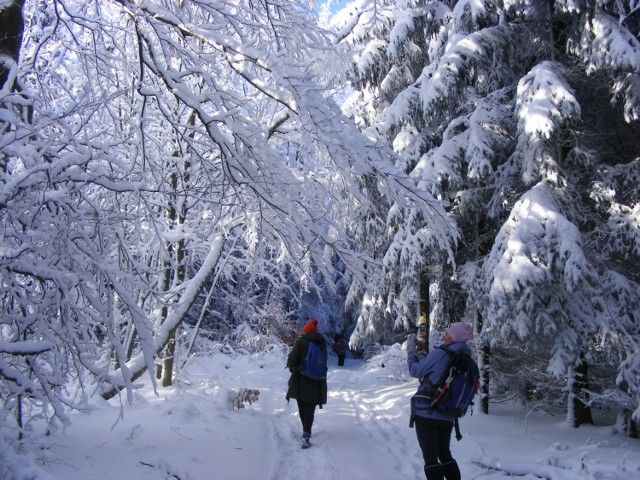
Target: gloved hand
{"x":411,"y":342}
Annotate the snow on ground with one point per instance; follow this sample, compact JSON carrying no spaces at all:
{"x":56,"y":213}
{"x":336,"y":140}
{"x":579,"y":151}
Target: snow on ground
{"x":189,"y":432}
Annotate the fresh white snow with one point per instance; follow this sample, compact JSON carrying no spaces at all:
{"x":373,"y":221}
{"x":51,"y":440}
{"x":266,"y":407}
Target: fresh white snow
{"x":190,"y":431}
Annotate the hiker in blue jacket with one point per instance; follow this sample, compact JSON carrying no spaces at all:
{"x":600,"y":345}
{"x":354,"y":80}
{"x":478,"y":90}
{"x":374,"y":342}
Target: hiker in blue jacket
{"x":307,"y":392}
{"x":433,"y":428}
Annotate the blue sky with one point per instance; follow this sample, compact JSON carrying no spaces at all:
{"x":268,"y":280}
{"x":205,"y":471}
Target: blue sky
{"x":335,"y":4}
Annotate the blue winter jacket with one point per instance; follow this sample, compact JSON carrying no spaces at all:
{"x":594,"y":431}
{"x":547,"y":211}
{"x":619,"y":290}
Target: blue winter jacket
{"x":432,"y":367}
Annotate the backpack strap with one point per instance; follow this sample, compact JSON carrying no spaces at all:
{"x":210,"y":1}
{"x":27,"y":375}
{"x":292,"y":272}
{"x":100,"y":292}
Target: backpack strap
{"x":445,"y":375}
{"x":450,"y":353}
{"x":304,"y":348}
{"x":458,"y":434}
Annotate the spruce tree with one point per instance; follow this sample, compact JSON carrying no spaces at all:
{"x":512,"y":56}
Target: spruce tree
{"x":491,"y":108}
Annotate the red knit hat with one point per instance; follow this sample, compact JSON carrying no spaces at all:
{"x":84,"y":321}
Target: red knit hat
{"x":312,"y":326}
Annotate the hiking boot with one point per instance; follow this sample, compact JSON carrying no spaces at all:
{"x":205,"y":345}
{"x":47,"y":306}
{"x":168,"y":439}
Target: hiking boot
{"x":434,"y":472}
{"x":305,"y":440}
{"x":451,"y":470}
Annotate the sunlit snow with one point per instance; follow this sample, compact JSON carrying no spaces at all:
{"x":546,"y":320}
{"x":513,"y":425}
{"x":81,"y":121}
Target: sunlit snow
{"x":191,"y":431}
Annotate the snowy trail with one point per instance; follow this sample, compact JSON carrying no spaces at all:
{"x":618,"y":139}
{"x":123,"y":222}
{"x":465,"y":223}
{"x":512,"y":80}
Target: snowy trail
{"x":365,"y":412}
{"x":190,"y":432}
{"x":354,"y":416}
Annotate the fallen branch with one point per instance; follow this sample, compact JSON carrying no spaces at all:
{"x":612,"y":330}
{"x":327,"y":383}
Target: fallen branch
{"x":522,"y":469}
{"x":156,"y":467}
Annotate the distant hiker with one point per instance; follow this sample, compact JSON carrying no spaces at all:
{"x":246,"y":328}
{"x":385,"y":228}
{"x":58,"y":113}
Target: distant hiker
{"x":307,"y":391}
{"x":340,"y":347}
{"x":432,"y":427}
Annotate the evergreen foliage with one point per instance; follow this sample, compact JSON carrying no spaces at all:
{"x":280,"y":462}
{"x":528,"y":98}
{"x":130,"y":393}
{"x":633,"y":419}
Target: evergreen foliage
{"x":507,"y":112}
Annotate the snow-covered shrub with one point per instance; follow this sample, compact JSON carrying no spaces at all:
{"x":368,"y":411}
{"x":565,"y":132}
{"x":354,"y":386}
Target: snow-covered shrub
{"x":518,"y":374}
{"x":393,"y":359}
{"x":238,"y":399}
{"x":244,"y":339}
{"x":15,"y":465}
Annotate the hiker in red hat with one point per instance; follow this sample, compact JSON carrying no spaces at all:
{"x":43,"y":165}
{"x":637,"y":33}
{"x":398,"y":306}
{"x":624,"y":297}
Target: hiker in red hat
{"x":308,"y":383}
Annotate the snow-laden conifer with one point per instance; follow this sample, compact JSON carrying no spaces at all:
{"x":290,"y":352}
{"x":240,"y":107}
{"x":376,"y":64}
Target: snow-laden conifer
{"x":504,"y":115}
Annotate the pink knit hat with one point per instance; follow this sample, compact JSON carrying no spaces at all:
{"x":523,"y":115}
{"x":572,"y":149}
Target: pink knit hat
{"x":459,"y":332}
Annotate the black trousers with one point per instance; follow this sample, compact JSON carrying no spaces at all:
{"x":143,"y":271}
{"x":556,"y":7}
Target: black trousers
{"x":307,"y":411}
{"x":434,"y":437}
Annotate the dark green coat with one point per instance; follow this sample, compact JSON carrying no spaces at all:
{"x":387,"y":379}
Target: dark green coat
{"x":301,"y":387}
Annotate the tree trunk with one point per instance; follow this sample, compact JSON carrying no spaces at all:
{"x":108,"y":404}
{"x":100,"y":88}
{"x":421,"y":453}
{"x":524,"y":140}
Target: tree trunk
{"x":558,"y":31}
{"x":131,"y":341}
{"x":581,"y":412}
{"x":180,"y":210}
{"x":138,"y":365}
{"x":486,"y":376}
{"x":167,"y":361}
{"x":164,"y":311}
{"x":485,"y":370}
{"x":630,"y":426}
{"x":19,"y":416}
{"x":423,"y":310}
{"x":11,"y":26}
{"x":11,"y":31}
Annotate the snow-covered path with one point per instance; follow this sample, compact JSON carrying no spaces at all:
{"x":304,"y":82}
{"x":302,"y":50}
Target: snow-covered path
{"x":355,"y":435}
{"x":190,"y":432}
